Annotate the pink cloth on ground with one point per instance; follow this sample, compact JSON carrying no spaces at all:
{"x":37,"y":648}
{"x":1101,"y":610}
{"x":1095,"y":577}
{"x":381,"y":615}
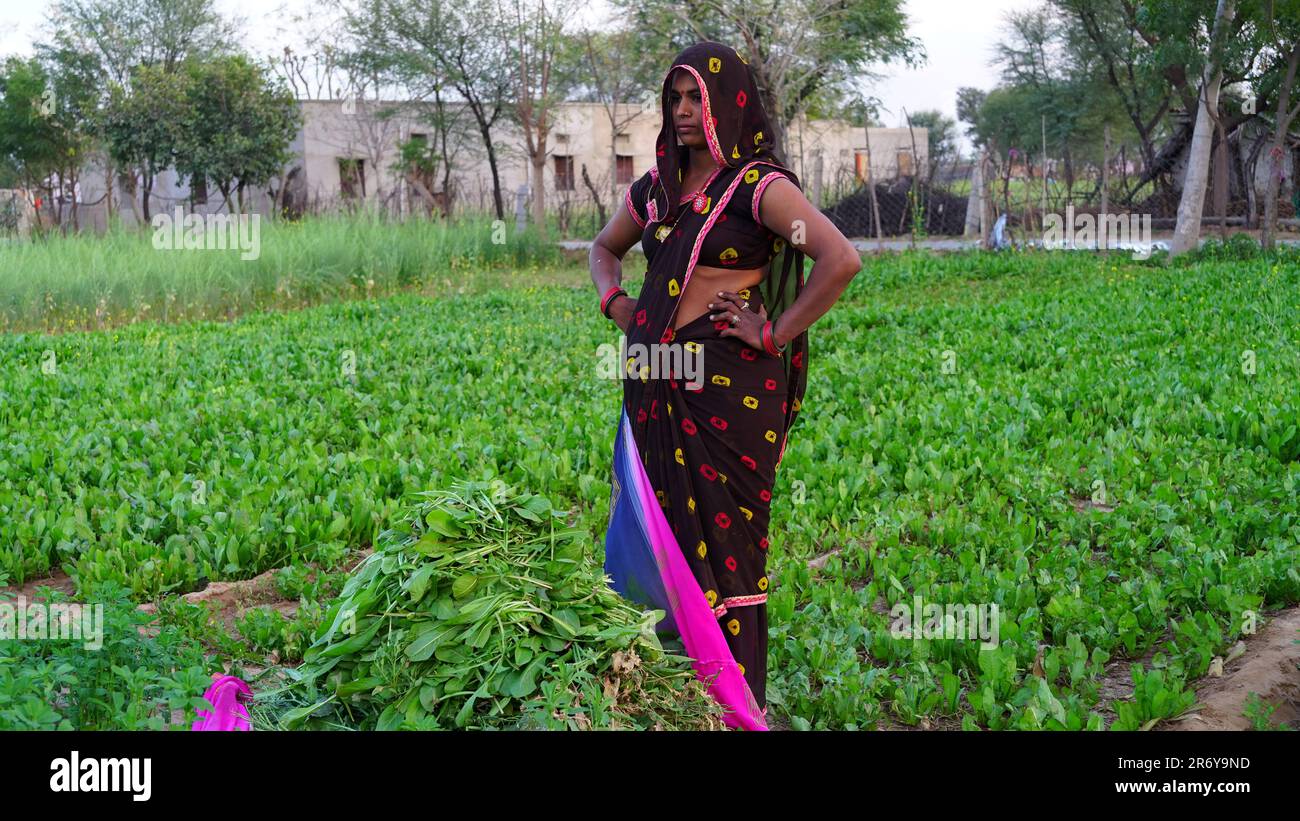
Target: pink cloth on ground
{"x":226,"y":696}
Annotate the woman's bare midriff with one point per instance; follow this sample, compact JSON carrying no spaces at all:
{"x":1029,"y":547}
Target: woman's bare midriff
{"x":704,"y":286}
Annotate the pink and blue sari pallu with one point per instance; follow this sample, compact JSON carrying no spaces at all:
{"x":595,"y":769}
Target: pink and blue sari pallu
{"x":648,"y":567}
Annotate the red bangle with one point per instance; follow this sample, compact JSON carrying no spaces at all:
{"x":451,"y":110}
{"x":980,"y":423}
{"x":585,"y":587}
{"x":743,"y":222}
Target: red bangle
{"x":609,"y":298}
{"x":769,"y":341}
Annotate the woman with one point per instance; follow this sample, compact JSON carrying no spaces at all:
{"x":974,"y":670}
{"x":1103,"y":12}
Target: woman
{"x":695,"y":461}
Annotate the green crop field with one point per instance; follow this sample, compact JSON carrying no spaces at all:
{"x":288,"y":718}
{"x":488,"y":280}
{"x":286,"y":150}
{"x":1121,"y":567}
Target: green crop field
{"x":1107,"y":451}
{"x":81,"y":282}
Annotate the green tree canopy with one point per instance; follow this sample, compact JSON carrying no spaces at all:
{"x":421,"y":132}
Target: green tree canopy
{"x":239,"y":123}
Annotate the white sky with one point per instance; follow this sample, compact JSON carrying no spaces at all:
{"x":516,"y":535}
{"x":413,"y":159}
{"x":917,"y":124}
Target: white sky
{"x":958,"y":36}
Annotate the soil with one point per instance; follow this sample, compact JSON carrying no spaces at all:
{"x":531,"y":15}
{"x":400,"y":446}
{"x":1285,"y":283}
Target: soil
{"x":59,"y":581}
{"x":228,"y":601}
{"x":1080,"y":505}
{"x":1270,"y":667}
{"x":1117,"y":683}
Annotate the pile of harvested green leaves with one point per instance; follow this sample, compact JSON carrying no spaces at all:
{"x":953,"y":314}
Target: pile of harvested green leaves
{"x":484,"y":610}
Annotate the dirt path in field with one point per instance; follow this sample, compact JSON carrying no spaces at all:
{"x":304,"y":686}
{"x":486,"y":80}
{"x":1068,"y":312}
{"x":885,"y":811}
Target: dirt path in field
{"x":59,"y":581}
{"x":227,"y":601}
{"x":230,"y":600}
{"x":1269,"y":667}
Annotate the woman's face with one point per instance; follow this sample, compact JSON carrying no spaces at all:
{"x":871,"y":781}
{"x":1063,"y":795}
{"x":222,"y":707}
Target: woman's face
{"x":687,"y":108}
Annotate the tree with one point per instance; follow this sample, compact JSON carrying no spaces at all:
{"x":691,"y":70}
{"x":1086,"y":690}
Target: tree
{"x":969,"y":102}
{"x":1179,"y":41}
{"x":417,"y":163}
{"x":1286,"y":32}
{"x":46,"y":125}
{"x":807,"y":55}
{"x":1009,"y":119}
{"x":238,"y":128}
{"x":10,"y":176}
{"x":1285,"y":115}
{"x":1187,"y":230}
{"x":607,"y":58}
{"x":542,"y":71}
{"x":941,"y":137}
{"x":1103,"y":34}
{"x":1059,"y":95}
{"x":29,"y":142}
{"x":144,"y":124}
{"x":436,"y":45}
{"x":129,"y":33}
{"x":122,"y":35}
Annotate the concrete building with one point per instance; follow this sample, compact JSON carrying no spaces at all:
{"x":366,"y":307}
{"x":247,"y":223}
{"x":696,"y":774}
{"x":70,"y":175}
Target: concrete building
{"x":349,"y":152}
{"x":346,"y":150}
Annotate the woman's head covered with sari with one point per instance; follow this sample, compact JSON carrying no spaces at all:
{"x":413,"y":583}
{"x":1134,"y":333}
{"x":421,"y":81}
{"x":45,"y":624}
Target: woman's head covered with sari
{"x":736,"y":128}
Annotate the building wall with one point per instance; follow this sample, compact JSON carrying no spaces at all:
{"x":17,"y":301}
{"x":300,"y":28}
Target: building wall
{"x":355,"y":130}
{"x":170,"y":191}
{"x":332,"y":131}
{"x":842,"y":148}
{"x":582,"y":131}
{"x":16,"y":212}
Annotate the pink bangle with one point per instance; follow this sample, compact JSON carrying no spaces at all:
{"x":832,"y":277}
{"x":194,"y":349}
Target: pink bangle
{"x":769,"y":341}
{"x":609,"y":297}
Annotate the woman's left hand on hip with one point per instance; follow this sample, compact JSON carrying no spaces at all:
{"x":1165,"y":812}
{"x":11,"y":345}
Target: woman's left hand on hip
{"x":746,"y":323}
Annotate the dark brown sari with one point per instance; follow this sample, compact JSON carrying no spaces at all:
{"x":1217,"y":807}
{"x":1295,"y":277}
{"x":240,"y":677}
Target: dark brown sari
{"x":710,"y":454}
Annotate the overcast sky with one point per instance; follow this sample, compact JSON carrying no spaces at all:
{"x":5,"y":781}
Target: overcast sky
{"x":958,"y":36}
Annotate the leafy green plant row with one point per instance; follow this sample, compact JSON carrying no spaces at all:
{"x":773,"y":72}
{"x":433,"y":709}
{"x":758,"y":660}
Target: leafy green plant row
{"x":1104,"y":450}
{"x":137,"y":678}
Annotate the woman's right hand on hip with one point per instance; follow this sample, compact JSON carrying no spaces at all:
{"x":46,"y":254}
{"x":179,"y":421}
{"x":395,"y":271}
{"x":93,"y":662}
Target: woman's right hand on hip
{"x":621,"y":312}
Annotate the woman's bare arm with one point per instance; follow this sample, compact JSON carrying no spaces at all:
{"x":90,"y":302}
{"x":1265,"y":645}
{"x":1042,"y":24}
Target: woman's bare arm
{"x":786,"y":211}
{"x":606,"y":260}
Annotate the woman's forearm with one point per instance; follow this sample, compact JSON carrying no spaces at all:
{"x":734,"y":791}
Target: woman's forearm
{"x":826,"y":281}
{"x":606,"y":267}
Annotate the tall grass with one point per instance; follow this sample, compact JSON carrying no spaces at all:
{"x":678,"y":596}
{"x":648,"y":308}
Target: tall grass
{"x":85,"y":281}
